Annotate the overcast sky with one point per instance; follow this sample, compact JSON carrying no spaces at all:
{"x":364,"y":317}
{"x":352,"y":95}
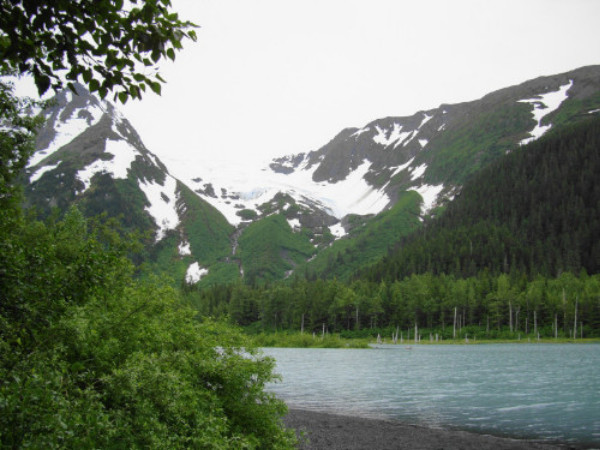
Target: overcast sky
{"x":275,"y":77}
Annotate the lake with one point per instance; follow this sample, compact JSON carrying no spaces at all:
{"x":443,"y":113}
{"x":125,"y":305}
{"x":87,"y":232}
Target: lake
{"x":540,"y":391}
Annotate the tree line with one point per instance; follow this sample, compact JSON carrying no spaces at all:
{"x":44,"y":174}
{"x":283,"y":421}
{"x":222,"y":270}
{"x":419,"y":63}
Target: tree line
{"x":487,"y":305}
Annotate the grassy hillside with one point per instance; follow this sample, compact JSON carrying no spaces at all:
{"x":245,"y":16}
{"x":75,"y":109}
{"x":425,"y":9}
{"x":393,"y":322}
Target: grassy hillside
{"x":270,"y":248}
{"x":208,"y":234}
{"x":368,"y":241}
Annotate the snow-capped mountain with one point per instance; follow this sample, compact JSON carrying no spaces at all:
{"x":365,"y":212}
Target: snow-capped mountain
{"x":371,"y":184}
{"x":362,"y":171}
{"x":88,"y":154}
{"x":432,"y":152}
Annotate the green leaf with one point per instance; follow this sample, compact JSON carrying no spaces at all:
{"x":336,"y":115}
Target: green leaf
{"x":171,"y":54}
{"x":123,"y":97}
{"x":94,"y":85}
{"x":42,"y":83}
{"x":155,"y":86}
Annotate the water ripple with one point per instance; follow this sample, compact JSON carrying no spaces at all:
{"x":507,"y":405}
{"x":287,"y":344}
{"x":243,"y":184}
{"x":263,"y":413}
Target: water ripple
{"x":536,"y":391}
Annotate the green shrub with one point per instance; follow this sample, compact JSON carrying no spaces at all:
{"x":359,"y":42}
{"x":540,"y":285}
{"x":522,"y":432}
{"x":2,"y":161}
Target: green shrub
{"x":90,"y":358}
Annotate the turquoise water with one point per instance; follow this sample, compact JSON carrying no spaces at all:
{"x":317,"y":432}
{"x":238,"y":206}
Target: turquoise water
{"x":539,"y":391}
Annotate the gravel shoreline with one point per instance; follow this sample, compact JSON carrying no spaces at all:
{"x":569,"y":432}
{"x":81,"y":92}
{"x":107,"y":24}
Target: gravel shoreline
{"x":317,"y":430}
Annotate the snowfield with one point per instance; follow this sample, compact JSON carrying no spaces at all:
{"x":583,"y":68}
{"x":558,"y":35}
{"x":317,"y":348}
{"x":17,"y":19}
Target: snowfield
{"x":118,"y":167}
{"x":41,"y":171}
{"x":248,"y":187}
{"x":69,"y":128}
{"x":429,"y":194}
{"x":543,"y":105}
{"x":163,"y":204}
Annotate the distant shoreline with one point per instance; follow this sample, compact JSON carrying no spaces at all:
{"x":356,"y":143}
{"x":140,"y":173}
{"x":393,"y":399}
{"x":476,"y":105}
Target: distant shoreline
{"x":319,"y":430}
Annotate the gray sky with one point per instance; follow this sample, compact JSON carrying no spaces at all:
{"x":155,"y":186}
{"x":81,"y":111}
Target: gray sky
{"x":274,"y":77}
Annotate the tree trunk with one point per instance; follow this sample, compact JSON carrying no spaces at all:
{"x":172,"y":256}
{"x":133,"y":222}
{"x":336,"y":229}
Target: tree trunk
{"x":454,"y":327}
{"x":564,"y":300}
{"x":575,"y":321}
{"x":302,"y":325}
{"x":510,"y":322}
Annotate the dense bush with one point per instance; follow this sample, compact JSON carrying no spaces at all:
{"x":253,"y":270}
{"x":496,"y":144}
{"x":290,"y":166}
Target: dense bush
{"x":91,"y":358}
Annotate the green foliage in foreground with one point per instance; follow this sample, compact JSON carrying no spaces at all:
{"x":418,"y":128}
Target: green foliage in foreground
{"x":90,"y":358}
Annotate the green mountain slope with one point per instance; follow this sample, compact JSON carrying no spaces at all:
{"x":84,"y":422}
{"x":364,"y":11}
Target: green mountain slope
{"x":535,"y":211}
{"x":270,"y":249}
{"x":367,"y":242}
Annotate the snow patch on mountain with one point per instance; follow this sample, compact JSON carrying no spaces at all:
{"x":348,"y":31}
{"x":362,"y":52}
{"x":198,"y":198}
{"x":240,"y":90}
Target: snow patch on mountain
{"x":123,"y":155}
{"x":426,"y":118}
{"x":41,"y":171}
{"x":66,"y":130}
{"x":400,"y":168}
{"x":184,"y":248}
{"x":195,"y":273}
{"x":543,"y":105}
{"x":356,"y":134}
{"x":430,"y":194}
{"x":294,"y":224}
{"x":418,"y":171}
{"x":337,"y":230}
{"x":396,"y":135}
{"x":244,"y":187}
{"x":352,"y":195}
{"x":163,"y":204}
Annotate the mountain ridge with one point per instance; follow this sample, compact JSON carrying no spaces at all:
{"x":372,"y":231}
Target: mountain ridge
{"x":89,"y":154}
